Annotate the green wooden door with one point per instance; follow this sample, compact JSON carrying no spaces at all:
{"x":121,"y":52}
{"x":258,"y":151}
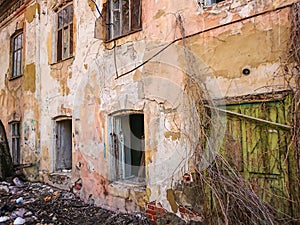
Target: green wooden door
{"x":262,"y":151}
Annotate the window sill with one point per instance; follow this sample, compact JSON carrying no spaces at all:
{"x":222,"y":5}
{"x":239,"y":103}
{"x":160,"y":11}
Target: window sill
{"x":122,"y":188}
{"x":11,"y":78}
{"x":63,"y":60}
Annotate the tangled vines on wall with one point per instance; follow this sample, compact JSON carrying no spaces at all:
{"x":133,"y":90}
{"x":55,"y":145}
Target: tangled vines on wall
{"x":223,"y":194}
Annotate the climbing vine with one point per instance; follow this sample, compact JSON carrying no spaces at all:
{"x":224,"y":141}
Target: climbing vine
{"x":221,"y":192}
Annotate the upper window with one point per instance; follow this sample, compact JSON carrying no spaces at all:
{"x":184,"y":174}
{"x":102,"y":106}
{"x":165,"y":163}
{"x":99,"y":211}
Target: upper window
{"x":123,"y":17}
{"x":210,"y":2}
{"x":17,"y":54}
{"x":65,"y":33}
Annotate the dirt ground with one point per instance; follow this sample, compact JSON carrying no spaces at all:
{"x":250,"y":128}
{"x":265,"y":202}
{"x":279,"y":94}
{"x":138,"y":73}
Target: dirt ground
{"x":36,"y":203}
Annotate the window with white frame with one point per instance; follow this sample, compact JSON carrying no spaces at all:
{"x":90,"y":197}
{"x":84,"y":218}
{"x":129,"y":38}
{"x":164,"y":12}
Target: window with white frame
{"x":127,"y":155}
{"x":15,"y":141}
{"x":17,"y":54}
{"x":123,"y":17}
{"x":64,"y":38}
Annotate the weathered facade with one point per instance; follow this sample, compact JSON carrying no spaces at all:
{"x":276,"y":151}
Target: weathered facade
{"x":109,"y":97}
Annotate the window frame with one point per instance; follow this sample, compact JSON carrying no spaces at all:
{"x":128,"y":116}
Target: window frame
{"x":64,"y":28}
{"x":212,"y":2}
{"x":15,"y":141}
{"x":110,"y":32}
{"x":118,"y":166}
{"x":17,"y":51}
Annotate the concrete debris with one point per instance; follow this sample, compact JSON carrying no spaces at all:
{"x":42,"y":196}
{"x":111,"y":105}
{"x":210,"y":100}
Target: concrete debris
{"x":18,"y":213}
{"x":42,"y":204}
{"x":18,"y":182}
{"x":19,"y":221}
{"x":3,"y":189}
{"x":4,"y":219}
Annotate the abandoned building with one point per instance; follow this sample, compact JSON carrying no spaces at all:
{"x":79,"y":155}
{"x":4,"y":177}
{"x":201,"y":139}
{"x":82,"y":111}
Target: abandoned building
{"x":130,"y":101}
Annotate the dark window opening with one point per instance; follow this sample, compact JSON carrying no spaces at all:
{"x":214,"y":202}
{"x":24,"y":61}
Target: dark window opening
{"x":128,"y":147}
{"x":210,"y":2}
{"x":63,"y":145}
{"x":65,"y":33}
{"x":123,"y":17}
{"x":17,"y":54}
{"x":15,"y":142}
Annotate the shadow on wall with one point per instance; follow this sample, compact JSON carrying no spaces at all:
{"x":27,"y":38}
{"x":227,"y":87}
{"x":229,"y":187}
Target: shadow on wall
{"x":6,"y":165}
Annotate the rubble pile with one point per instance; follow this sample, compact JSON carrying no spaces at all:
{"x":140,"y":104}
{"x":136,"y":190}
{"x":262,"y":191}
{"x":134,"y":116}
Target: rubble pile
{"x":36,"y":203}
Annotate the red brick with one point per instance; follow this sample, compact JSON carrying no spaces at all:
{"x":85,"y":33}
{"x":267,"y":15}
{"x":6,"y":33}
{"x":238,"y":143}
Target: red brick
{"x":161,"y":210}
{"x":151,"y":206}
{"x":153,"y":223}
{"x":181,"y":209}
{"x":149,"y":216}
{"x":152,"y":218}
{"x":151,"y":212}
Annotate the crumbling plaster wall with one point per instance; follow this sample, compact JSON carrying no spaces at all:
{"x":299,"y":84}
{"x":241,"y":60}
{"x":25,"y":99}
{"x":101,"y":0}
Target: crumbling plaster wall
{"x":58,"y":84}
{"x":19,"y":97}
{"x":85,"y":86}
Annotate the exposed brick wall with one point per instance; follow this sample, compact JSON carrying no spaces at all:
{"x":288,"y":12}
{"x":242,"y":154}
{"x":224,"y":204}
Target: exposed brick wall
{"x":154,"y":211}
{"x":189,"y":215}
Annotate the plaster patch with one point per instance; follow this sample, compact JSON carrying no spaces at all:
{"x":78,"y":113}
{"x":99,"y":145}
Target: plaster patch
{"x":159,"y":14}
{"x":29,"y":81}
{"x":31,"y":12}
{"x":173,"y":135}
{"x":227,"y":19}
{"x":90,"y":166}
{"x":171,"y":199}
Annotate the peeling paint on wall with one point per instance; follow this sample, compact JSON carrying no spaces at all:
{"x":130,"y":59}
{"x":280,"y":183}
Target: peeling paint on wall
{"x":29,"y":78}
{"x":149,"y":71}
{"x":32,"y":11}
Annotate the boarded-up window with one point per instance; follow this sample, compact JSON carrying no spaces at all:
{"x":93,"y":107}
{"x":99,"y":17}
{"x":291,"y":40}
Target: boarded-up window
{"x":17,"y":54}
{"x":64,"y":33}
{"x":123,"y":17}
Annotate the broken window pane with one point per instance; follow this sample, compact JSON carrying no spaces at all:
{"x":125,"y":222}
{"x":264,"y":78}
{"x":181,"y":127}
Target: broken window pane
{"x":210,"y":2}
{"x":70,"y":14}
{"x":60,"y":20}
{"x":116,"y":24}
{"x":136,"y":15}
{"x":71,"y":39}
{"x":116,"y":4}
{"x":124,"y":16}
{"x":66,"y":42}
{"x":65,"y":33}
{"x":65,"y":16}
{"x":59,"y":45}
{"x":128,"y":156}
